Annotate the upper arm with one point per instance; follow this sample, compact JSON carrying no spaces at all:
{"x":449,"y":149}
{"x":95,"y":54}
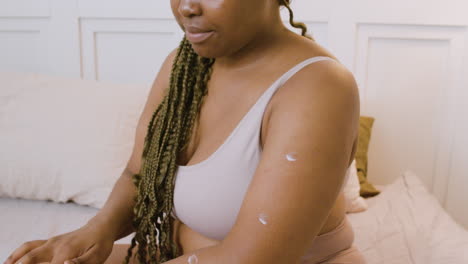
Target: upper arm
{"x":316,"y":120}
{"x":155,"y":97}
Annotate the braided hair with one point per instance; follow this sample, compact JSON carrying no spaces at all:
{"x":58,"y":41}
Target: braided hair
{"x":168,"y":134}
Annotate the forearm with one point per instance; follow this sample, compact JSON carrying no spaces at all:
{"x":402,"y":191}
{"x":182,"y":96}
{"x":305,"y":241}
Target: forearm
{"x":117,"y":213}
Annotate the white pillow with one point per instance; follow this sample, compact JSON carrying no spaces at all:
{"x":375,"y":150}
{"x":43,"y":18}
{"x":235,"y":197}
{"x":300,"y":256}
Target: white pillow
{"x":354,"y":202}
{"x":65,"y":139}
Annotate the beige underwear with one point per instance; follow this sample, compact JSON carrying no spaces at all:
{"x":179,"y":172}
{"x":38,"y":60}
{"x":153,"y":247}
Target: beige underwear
{"x":334,"y":247}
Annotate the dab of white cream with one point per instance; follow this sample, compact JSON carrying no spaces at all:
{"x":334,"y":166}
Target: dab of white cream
{"x":291,"y":156}
{"x":263,"y":218}
{"x":193,"y":259}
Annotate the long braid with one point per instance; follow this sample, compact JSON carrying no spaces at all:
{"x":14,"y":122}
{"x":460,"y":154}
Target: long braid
{"x":169,"y":132}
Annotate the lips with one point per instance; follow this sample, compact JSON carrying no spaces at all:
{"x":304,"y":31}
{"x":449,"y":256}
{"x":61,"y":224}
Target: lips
{"x":196,"y":34}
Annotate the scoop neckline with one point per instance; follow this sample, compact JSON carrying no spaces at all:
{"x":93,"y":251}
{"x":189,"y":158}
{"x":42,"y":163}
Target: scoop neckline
{"x":231,"y":135}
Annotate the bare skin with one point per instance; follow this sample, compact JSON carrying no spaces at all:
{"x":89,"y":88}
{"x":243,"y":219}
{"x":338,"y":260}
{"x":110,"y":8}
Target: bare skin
{"x":236,"y":99}
{"x":238,"y":79}
{"x":252,"y":49}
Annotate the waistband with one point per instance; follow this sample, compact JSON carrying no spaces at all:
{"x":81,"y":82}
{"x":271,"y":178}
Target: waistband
{"x":331,"y":243}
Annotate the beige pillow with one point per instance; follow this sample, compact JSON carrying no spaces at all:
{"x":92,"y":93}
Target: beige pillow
{"x":365,"y":129}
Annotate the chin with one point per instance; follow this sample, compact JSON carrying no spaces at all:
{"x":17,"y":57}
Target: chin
{"x":206,"y":51}
{"x":211,"y":48}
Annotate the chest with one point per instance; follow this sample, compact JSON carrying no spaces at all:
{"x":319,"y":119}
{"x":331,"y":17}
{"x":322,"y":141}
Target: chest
{"x":228,"y":101}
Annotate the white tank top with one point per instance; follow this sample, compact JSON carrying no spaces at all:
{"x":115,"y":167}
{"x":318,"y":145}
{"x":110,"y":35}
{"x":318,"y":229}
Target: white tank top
{"x":208,"y":195}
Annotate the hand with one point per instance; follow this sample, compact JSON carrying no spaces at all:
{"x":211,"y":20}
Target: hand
{"x":88,"y":244}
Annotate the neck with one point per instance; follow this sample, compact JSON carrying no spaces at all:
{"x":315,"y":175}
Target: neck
{"x":262,"y":47}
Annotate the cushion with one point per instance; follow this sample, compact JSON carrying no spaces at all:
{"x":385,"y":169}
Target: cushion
{"x":65,"y":139}
{"x":354,"y":202}
{"x":365,"y":129}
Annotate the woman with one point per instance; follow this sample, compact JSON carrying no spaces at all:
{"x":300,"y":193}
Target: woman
{"x":259,"y":125}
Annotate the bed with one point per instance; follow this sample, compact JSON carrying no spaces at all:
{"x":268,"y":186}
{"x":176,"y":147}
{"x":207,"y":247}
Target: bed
{"x":49,"y":190}
{"x":404,"y":224}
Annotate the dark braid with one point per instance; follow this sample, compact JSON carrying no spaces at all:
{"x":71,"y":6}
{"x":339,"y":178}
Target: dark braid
{"x":169,"y":132}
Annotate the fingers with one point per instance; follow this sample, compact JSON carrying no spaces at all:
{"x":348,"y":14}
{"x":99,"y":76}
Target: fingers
{"x":24,"y":249}
{"x":90,"y":256}
{"x":37,"y":255}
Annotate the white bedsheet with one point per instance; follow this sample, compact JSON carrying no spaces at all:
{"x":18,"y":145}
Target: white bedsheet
{"x":24,"y":220}
{"x":403,"y":225}
{"x":406,"y":224}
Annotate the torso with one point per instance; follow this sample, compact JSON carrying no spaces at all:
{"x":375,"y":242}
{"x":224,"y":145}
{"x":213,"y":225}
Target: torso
{"x":229,"y":98}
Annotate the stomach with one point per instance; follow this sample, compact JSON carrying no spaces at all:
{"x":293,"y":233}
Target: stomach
{"x":190,"y":240}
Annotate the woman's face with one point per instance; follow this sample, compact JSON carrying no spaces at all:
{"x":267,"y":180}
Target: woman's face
{"x":219,"y":28}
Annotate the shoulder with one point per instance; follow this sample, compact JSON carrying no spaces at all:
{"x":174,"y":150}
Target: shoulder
{"x":322,"y":85}
{"x":322,"y":78}
{"x":320,"y":93}
{"x":166,"y":66}
{"x":321,"y":82}
{"x":161,"y":82}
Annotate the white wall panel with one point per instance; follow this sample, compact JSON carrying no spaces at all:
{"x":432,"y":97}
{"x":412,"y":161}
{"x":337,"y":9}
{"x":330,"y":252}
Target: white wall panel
{"x":126,"y":50}
{"x":419,"y":12}
{"x":125,"y":8}
{"x":25,"y":8}
{"x":405,"y":106}
{"x":409,"y":76}
{"x":456,"y":197}
{"x":22,"y":44}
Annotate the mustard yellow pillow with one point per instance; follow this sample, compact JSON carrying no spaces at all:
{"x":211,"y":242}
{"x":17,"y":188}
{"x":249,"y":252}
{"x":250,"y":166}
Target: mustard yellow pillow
{"x":365,"y":129}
